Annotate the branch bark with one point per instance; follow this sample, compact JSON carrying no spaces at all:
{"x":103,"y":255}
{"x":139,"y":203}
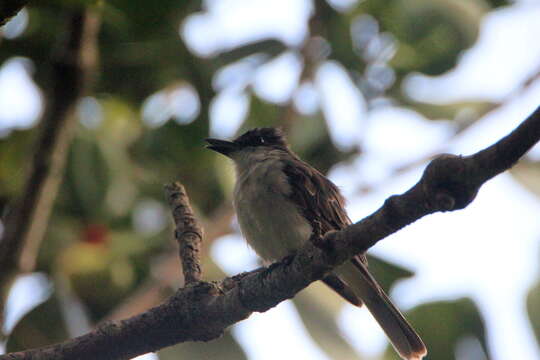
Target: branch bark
{"x":202,"y":311}
{"x":188,"y":233}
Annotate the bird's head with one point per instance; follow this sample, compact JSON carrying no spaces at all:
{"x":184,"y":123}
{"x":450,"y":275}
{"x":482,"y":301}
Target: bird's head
{"x":258,"y":140}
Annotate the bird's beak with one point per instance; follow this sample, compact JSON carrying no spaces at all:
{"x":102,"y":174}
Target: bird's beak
{"x":221,"y":146}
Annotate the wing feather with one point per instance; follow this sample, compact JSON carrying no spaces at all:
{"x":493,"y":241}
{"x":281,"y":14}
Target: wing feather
{"x":317,"y":197}
{"x":322,"y":205}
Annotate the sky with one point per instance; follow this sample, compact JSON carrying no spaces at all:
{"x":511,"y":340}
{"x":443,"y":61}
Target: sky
{"x":463,"y":253}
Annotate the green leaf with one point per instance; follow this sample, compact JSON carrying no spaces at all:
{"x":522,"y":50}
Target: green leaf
{"x":387,"y":273}
{"x":87,"y":178}
{"x":431,"y":34}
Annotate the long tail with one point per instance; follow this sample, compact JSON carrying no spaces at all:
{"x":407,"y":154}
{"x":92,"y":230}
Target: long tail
{"x":402,"y":336}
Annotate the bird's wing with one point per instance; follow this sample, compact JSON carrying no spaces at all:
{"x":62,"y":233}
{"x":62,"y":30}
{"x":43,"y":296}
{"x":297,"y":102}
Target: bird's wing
{"x":323,"y":209}
{"x":317,"y":197}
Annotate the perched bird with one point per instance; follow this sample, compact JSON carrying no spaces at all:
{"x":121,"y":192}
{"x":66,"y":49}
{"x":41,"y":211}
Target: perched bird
{"x":280,"y":200}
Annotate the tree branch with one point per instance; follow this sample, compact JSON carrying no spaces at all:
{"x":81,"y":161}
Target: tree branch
{"x":71,"y":69}
{"x":25,"y":224}
{"x":188,"y":233}
{"x":202,"y":311}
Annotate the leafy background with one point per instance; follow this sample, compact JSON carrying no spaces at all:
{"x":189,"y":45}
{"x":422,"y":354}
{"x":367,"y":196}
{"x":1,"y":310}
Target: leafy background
{"x":367,"y":91}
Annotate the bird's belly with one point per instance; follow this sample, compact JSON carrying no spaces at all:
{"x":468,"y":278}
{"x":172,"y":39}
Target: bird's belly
{"x":271,"y":223}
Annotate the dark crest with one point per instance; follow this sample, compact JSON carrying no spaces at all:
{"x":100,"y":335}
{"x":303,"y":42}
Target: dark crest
{"x":262,"y":137}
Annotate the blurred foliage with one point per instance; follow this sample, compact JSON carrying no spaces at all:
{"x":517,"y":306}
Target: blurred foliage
{"x":311,"y":140}
{"x":318,"y":307}
{"x":35,"y":329}
{"x":527,"y":173}
{"x":104,"y":240}
{"x":225,"y":348}
{"x":13,"y":155}
{"x":533,"y":304}
{"x":386,"y":273}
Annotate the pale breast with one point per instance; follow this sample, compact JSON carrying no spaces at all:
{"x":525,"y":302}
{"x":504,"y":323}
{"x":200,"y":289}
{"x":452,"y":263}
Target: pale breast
{"x":270,"y":222}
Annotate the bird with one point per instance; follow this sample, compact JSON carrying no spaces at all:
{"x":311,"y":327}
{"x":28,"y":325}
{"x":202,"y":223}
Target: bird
{"x":280,"y":201}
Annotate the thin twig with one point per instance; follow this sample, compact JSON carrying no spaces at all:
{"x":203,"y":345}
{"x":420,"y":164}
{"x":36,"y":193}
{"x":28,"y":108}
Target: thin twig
{"x":188,"y":234}
{"x":162,"y":279}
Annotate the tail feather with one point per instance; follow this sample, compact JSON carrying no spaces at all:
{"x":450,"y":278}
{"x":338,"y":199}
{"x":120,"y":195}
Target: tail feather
{"x":400,"y":333}
{"x":336,"y":284}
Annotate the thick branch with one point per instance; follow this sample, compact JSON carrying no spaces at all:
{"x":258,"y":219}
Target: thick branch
{"x":506,"y":152}
{"x":188,"y":233}
{"x":449,"y":183}
{"x":26,"y":222}
{"x":201,"y":311}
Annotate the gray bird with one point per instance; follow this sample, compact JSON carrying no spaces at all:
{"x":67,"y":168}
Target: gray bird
{"x":280,"y":200}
